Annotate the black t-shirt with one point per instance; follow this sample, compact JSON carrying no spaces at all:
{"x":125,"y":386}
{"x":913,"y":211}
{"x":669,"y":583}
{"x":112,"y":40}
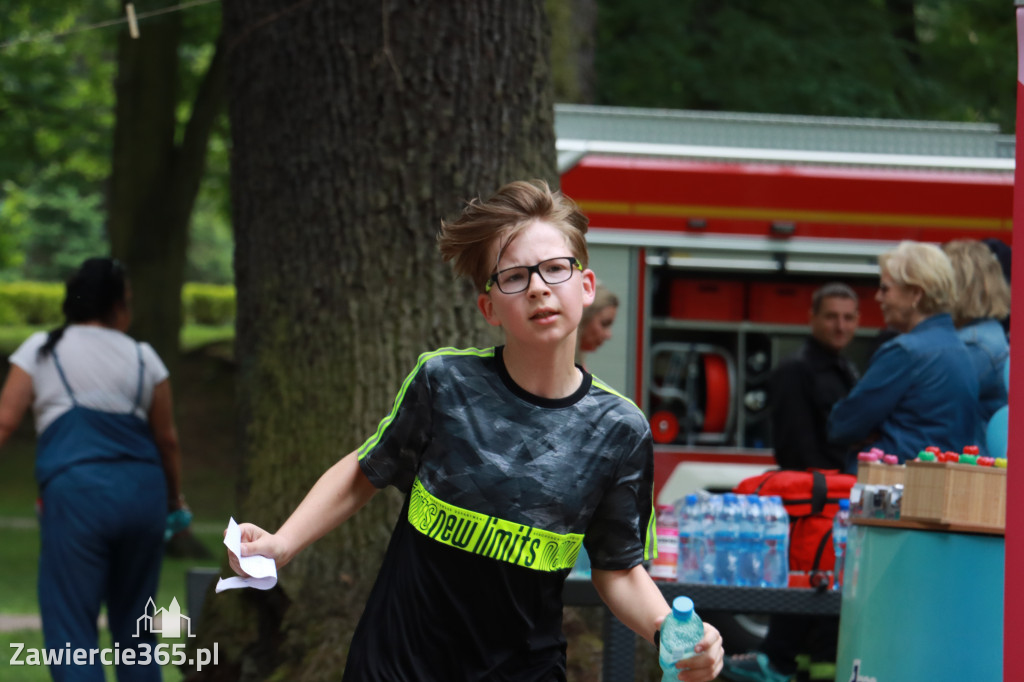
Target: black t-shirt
{"x":804,"y":387}
{"x":502,"y":486}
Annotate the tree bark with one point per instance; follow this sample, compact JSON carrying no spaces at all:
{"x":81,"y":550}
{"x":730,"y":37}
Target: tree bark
{"x":154,"y":178}
{"x":356,"y":127}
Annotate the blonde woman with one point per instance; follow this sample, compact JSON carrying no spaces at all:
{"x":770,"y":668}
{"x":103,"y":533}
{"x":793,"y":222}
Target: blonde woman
{"x":596,"y":324}
{"x":920,"y":388}
{"x":980,"y":307}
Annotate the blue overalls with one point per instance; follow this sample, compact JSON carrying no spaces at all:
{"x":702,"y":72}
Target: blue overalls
{"x":104,"y":508}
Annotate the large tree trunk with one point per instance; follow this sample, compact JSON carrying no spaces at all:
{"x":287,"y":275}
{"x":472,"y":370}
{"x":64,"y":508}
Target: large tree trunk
{"x":356,"y":128}
{"x":154,"y":178}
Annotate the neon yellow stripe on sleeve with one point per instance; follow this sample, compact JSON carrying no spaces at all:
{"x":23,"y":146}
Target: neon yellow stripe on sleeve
{"x":372,"y":441}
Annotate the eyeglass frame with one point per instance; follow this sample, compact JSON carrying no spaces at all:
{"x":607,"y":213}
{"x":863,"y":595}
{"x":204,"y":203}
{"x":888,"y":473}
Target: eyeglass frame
{"x":532,"y":270}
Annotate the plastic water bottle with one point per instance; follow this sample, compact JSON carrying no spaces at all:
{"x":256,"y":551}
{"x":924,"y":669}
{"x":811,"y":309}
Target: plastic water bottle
{"x":776,"y":543}
{"x":840,"y":530}
{"x":680,"y":632}
{"x":709,"y":513}
{"x":177,"y":521}
{"x":751,"y":543}
{"x":691,"y":540}
{"x":727,"y":535}
{"x":664,"y":565}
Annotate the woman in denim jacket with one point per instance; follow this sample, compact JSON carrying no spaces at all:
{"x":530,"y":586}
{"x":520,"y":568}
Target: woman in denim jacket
{"x":983,"y":302}
{"x":920,"y":388}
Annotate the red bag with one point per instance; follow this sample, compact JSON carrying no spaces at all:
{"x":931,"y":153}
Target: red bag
{"x":811,"y":499}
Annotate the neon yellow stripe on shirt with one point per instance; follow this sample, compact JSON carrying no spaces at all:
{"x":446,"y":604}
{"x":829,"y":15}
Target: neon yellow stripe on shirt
{"x":489,"y":536}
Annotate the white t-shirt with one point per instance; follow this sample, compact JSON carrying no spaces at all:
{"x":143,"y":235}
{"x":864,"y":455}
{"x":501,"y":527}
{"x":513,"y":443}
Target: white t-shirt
{"x":101,"y":366}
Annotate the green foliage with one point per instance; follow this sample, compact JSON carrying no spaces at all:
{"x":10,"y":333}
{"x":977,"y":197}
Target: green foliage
{"x":209,"y":304}
{"x":32,"y":303}
{"x":39,"y":304}
{"x":56,"y":124}
{"x":929,"y":59}
{"x":56,"y":111}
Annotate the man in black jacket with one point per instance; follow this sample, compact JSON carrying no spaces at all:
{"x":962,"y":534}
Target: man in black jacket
{"x":802,"y":391}
{"x":805,"y":386}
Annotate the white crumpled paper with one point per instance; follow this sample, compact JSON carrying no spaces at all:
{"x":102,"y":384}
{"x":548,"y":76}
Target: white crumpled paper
{"x":262,"y":570}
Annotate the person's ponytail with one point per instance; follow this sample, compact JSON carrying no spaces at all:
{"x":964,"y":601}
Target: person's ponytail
{"x":51,"y":340}
{"x":92,"y":293}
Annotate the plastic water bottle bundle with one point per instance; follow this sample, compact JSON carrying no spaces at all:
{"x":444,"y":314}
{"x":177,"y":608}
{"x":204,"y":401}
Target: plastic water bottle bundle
{"x":840,"y":530}
{"x":680,"y":632}
{"x":751,"y":543}
{"x":709,"y":512}
{"x":691,"y":540}
{"x":726,"y":539}
{"x":776,"y":543}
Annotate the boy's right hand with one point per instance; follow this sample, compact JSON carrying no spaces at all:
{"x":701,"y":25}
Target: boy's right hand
{"x":255,"y":540}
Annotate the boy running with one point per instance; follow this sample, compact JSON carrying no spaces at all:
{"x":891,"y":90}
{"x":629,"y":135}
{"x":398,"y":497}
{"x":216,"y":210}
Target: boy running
{"x":510,"y":458}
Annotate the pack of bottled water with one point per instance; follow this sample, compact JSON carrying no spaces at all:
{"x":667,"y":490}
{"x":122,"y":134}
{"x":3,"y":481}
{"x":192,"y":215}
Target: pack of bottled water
{"x":732,"y":539}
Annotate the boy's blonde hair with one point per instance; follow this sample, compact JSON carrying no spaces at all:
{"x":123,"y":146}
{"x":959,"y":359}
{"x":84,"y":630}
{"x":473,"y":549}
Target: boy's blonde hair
{"x":925,"y":266}
{"x":983,"y":289}
{"x":467,"y":240}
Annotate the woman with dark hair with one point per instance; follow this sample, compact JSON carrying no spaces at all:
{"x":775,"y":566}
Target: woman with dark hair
{"x":107,"y":465}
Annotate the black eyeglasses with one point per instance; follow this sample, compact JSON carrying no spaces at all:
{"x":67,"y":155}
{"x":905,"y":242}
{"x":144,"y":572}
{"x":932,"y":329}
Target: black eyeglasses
{"x":551,"y":271}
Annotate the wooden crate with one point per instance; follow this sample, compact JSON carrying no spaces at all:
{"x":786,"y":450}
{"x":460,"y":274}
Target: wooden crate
{"x":876,"y":473}
{"x":957,"y":494}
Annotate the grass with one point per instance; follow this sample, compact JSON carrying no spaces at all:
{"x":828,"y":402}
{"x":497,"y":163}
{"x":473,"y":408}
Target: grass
{"x":21,"y":555}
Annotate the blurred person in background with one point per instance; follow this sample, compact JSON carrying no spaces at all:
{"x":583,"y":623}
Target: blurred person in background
{"x":1003,"y":254}
{"x":981,"y":306}
{"x":806,"y":385}
{"x":107,"y":465}
{"x":596,"y":325}
{"x":803,"y":389}
{"x":920,"y":388}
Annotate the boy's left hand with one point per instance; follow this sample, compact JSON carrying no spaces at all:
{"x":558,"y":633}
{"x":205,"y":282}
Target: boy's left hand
{"x":706,"y":663}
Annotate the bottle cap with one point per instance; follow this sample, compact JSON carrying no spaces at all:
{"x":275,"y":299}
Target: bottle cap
{"x":844,"y":504}
{"x":933,"y":448}
{"x":1000,"y":463}
{"x":682,"y":607}
{"x":986,"y":461}
{"x":971,"y":450}
{"x":691,"y":499}
{"x":891,"y":459}
{"x":949,"y":456}
{"x":924,"y":456}
{"x":867,"y":457}
{"x":968,"y":459}
{"x":877,"y":451}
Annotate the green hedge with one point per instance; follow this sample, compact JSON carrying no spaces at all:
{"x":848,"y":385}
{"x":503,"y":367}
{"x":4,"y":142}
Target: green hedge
{"x":209,"y":304}
{"x":39,"y":303}
{"x":33,"y":303}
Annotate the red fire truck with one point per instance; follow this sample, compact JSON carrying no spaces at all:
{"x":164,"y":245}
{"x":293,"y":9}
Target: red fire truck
{"x":714,"y":229}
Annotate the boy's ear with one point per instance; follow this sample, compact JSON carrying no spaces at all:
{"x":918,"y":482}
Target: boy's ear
{"x":589,"y":287}
{"x":486,"y":306}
